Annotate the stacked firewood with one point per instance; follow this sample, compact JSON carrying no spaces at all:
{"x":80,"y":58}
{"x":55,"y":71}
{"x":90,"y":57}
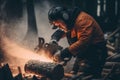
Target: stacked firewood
{"x":111,"y":69}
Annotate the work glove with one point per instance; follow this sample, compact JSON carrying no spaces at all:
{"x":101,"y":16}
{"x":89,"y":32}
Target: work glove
{"x":62,"y":57}
{"x":65,"y":55}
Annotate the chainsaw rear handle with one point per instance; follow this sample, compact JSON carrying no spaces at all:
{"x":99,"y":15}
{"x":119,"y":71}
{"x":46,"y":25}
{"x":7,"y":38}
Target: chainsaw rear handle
{"x":64,"y":62}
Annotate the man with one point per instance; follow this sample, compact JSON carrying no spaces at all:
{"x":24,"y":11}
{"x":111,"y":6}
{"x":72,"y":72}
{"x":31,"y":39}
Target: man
{"x":84,"y":35}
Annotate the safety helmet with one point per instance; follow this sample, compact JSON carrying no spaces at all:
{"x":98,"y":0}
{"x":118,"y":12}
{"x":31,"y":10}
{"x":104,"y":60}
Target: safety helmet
{"x":58,"y":12}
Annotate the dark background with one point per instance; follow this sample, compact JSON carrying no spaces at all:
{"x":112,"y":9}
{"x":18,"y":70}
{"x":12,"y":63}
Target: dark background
{"x":108,"y":13}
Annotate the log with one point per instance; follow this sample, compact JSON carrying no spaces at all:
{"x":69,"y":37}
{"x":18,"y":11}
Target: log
{"x":110,"y":64}
{"x":106,"y":70}
{"x":50,"y":70}
{"x":81,"y":77}
{"x":113,"y":69}
{"x":114,"y":58}
{"x":69,"y":75}
{"x":111,"y":48}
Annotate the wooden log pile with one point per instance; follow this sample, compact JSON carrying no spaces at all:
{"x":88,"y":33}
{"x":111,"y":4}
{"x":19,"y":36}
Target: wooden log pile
{"x":111,"y":68}
{"x":53,"y":71}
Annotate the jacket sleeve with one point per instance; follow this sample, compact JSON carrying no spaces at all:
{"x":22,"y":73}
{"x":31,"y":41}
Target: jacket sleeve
{"x":57,"y":35}
{"x":84,"y":30}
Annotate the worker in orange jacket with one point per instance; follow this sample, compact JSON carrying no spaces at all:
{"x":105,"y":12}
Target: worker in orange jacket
{"x":84,"y":35}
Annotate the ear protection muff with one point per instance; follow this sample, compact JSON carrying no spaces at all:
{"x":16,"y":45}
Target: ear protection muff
{"x":65,"y":15}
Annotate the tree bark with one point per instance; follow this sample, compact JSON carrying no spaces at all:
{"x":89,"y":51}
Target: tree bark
{"x":50,"y":70}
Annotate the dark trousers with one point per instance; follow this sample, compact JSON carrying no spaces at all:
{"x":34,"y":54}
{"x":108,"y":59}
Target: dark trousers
{"x":94,"y":58}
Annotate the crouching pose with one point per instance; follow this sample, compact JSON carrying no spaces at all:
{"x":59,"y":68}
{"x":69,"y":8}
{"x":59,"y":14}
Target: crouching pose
{"x":85,"y":38}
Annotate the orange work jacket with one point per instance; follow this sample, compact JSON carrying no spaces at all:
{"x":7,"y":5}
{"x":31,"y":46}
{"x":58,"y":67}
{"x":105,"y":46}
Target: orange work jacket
{"x":87,"y":31}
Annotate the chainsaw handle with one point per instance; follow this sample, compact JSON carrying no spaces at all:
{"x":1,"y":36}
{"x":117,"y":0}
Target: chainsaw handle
{"x":64,"y":62}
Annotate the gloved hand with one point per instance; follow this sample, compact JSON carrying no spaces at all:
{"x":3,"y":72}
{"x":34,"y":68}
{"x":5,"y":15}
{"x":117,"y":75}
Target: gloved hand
{"x":65,"y":55}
